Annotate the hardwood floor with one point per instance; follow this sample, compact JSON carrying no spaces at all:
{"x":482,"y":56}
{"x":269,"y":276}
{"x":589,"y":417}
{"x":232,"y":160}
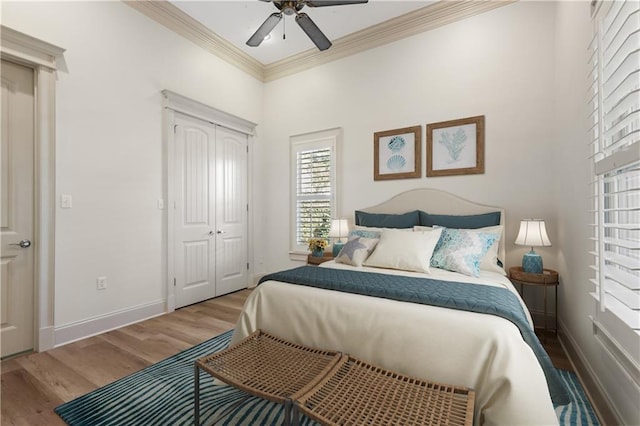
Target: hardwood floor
{"x":33,"y":385}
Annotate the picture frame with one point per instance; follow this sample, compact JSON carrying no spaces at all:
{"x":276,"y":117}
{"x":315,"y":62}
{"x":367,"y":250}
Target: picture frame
{"x":397,"y":153}
{"x":456,"y":147}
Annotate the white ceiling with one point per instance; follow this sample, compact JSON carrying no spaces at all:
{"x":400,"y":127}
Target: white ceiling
{"x":236,"y":21}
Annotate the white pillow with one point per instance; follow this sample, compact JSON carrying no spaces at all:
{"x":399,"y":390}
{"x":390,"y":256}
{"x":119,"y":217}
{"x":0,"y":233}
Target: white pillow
{"x":408,"y":251}
{"x":489,"y":261}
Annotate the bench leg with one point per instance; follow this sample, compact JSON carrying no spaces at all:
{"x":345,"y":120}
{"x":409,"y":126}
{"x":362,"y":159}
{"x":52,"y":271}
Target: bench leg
{"x":196,"y":396}
{"x":296,"y":415}
{"x":287,"y":412}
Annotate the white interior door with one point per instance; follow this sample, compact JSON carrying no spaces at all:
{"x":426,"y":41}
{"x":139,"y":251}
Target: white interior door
{"x":17,"y":209}
{"x":210,"y":249}
{"x":231,"y":217}
{"x":194,"y":227}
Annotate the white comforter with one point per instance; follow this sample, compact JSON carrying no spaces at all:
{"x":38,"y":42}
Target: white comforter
{"x":480,"y":351}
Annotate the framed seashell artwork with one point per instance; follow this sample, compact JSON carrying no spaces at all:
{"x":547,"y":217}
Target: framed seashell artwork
{"x":397,"y":153}
{"x":456,"y":147}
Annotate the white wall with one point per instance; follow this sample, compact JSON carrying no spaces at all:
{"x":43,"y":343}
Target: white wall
{"x":572,"y":165}
{"x":109,"y":153}
{"x":498,"y":64}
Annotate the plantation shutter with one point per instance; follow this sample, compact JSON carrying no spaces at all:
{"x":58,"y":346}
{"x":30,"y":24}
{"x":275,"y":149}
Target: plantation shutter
{"x":615,"y":149}
{"x":313,"y":187}
{"x":314,"y":193}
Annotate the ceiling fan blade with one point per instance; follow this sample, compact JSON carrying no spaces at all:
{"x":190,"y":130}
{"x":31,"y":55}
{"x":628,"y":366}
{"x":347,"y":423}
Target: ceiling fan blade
{"x":267,"y":26}
{"x":308,"y":26}
{"x":322,"y":3}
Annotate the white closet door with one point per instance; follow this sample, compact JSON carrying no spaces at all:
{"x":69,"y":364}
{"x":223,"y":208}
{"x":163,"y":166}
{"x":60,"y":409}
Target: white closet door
{"x":210,"y":227}
{"x":194,"y":224}
{"x":231,"y":217}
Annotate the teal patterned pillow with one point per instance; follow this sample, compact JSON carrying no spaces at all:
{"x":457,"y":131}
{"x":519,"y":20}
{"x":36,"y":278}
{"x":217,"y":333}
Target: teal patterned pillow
{"x":462,"y":250}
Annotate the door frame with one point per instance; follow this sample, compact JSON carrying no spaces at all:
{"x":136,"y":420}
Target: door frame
{"x":45,"y":59}
{"x":174,"y":103}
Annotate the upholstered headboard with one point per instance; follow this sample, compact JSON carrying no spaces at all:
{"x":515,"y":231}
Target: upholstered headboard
{"x":434,"y":201}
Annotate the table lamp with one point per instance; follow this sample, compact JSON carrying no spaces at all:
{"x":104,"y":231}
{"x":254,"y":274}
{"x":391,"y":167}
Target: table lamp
{"x":339,"y":229}
{"x":532,"y":233}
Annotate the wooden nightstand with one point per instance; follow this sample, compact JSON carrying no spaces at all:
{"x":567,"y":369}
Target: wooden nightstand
{"x":313,"y":260}
{"x":546,"y":279}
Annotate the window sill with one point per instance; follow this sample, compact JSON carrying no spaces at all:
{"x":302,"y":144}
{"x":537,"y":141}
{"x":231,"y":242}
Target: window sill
{"x":615,"y":350}
{"x":298,"y":256}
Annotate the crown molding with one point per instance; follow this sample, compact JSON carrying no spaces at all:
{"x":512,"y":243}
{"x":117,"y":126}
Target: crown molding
{"x":23,"y":47}
{"x":427,"y":18}
{"x":176,"y":20}
{"x":418,"y":21}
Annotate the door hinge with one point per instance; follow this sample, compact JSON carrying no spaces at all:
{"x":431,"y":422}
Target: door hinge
{"x":247,"y":265}
{"x":247,"y":149}
{"x":174,"y":282}
{"x":247,"y":206}
{"x":175,"y":127}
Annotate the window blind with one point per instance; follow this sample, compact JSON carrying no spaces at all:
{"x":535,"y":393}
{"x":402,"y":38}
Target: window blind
{"x":314,"y":193}
{"x":615,"y":149}
{"x":313,"y":186}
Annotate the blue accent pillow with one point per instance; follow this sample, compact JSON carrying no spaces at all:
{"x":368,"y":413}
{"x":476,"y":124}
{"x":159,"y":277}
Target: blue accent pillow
{"x":460,"y":222}
{"x":384,"y":220}
{"x":461,"y":250}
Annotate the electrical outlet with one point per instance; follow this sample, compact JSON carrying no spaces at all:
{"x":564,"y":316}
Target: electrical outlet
{"x":101,"y":283}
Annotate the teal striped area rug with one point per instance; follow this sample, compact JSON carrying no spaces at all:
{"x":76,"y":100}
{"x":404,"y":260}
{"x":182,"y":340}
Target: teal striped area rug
{"x":162,"y":394}
{"x":579,"y":410}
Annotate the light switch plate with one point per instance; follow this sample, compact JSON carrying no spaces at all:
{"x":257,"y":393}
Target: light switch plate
{"x":66,"y":201}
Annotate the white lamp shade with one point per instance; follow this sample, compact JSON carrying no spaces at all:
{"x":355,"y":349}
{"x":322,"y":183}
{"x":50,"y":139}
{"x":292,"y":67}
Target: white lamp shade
{"x":532,"y":233}
{"x":339,"y":228}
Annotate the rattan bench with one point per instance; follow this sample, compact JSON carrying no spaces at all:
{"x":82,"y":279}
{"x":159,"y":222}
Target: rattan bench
{"x":266,"y":366}
{"x":357,"y":393}
{"x":332,"y":388}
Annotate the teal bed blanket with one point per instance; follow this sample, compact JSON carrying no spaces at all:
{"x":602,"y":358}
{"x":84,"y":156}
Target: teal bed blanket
{"x":446,"y":294}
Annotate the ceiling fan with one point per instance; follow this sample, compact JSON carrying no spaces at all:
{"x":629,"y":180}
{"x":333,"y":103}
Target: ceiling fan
{"x":308,"y":26}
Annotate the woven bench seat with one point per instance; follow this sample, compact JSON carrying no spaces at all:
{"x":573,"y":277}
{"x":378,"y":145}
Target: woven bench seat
{"x":266,"y":366}
{"x":357,"y":393}
{"x":332,"y":388}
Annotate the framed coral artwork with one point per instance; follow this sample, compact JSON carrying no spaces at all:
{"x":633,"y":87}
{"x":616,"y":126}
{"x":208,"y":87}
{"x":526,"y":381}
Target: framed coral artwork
{"x":456,"y":147}
{"x":397,"y":154}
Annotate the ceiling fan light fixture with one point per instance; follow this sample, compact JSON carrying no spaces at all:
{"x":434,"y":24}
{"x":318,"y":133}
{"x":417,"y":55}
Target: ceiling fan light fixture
{"x":293,"y":7}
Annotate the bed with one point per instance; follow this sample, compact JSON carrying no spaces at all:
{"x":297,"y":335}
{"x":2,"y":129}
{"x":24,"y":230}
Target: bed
{"x":482,"y":351}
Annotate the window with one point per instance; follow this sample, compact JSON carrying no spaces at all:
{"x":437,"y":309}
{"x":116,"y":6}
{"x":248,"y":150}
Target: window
{"x":615,"y":142}
{"x":313,"y":186}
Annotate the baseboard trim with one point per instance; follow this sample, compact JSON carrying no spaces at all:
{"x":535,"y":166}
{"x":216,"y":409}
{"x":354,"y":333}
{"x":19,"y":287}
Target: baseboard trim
{"x":587,"y":377}
{"x":46,"y":338}
{"x":82,"y":329}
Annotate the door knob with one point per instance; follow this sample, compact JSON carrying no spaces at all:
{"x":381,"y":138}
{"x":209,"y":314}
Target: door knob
{"x":210,"y":232}
{"x":23,"y":244}
{"x":219,"y":232}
